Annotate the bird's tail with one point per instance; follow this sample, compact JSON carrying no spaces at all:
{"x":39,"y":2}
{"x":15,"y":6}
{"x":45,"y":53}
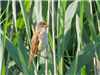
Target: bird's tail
{"x":31,"y":57}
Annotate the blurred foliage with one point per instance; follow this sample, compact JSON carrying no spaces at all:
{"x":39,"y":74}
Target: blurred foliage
{"x":76,"y":30}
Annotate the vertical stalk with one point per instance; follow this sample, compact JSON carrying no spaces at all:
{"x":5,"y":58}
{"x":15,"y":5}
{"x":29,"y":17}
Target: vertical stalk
{"x":94,"y":60}
{"x":8,"y":58}
{"x":13,"y":18}
{"x":78,"y":40}
{"x":0,"y":43}
{"x":62,"y":30}
{"x":81,"y":28}
{"x":53,"y":36}
{"x":58,"y":40}
{"x":4,"y":38}
{"x":46,"y":73}
{"x":81,"y":15}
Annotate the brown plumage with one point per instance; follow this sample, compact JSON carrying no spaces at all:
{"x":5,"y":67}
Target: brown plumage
{"x":34,"y":47}
{"x":39,"y":40}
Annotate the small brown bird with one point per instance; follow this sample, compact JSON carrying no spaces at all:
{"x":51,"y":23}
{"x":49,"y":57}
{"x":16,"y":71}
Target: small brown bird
{"x":39,"y":40}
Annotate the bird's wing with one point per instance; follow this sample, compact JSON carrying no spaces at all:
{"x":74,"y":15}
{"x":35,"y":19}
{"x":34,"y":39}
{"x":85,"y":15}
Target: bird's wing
{"x":34,"y":47}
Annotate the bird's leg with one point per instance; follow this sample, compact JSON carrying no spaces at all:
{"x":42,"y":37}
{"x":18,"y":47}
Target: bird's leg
{"x":43,"y":56}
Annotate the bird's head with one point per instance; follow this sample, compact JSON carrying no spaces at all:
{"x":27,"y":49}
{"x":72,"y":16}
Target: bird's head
{"x":41,"y":26}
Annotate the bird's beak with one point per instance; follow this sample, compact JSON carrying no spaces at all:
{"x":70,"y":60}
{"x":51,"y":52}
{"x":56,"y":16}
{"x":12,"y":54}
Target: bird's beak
{"x":47,"y":26}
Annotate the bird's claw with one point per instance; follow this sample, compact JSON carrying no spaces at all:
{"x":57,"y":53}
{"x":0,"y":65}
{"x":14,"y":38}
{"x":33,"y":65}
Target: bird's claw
{"x":47,"y":57}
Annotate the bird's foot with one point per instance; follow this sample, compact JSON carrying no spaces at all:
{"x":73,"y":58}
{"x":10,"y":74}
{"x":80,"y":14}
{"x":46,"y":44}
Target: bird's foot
{"x":47,"y":57}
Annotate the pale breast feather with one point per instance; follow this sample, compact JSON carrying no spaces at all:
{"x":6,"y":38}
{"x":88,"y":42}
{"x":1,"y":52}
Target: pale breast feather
{"x":43,"y":41}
